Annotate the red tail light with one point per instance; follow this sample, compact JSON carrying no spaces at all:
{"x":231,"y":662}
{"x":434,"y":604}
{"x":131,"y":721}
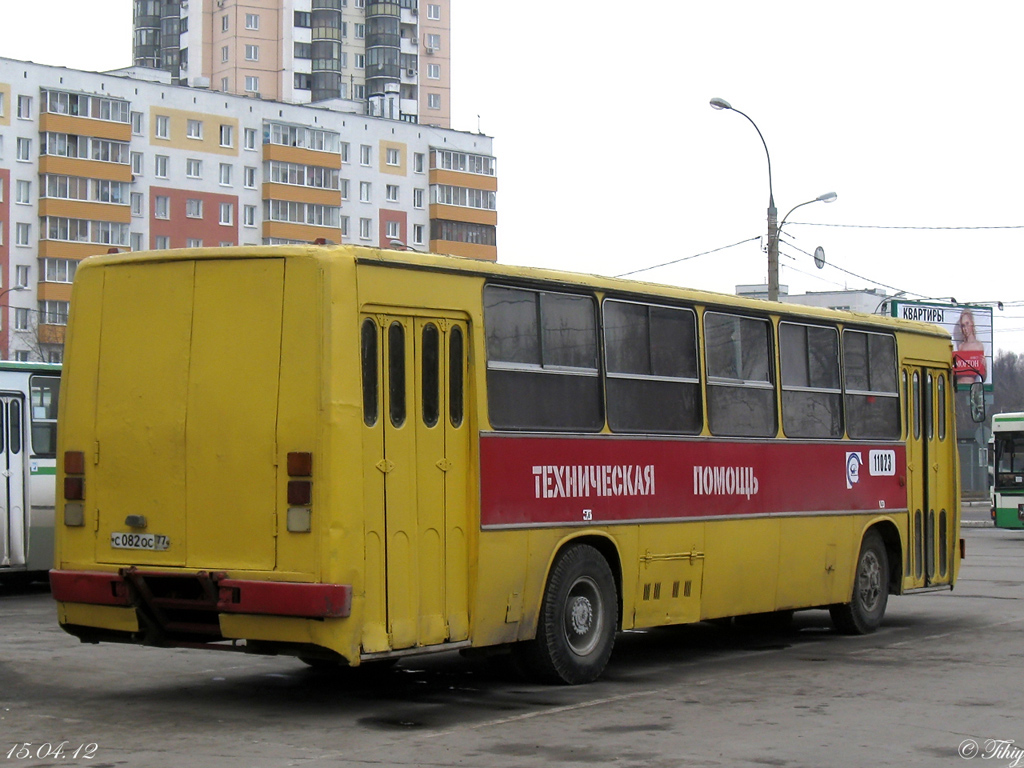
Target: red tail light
{"x":74,"y":462}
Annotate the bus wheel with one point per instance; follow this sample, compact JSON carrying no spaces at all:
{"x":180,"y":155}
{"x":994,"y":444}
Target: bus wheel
{"x":863,"y":614}
{"x":578,"y":620}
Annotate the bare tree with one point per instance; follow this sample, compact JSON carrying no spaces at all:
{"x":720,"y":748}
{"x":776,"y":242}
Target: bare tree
{"x":1008,"y":382}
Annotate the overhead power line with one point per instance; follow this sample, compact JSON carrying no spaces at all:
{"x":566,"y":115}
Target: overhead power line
{"x":884,"y":226}
{"x":687,"y":258}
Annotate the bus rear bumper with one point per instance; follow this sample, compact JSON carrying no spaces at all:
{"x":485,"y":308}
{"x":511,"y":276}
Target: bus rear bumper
{"x":160,"y":592}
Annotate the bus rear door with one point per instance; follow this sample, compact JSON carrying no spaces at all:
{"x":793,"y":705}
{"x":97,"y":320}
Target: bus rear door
{"x":12,"y":487}
{"x":415,"y":478}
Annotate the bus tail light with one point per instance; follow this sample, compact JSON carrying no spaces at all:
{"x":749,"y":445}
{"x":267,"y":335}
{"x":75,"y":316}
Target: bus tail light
{"x":74,"y":488}
{"x":300,"y":491}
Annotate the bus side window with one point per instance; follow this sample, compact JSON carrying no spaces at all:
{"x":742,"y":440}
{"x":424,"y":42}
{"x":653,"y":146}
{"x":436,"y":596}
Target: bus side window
{"x":368,"y":353}
{"x":917,"y":406}
{"x":869,"y":380}
{"x":431,"y":373}
{"x":455,"y":378}
{"x":652,"y":378}
{"x":542,"y":360}
{"x":43,"y":395}
{"x":941,"y":383}
{"x":741,"y":389}
{"x":812,"y":401}
{"x":14,"y":438}
{"x":396,"y":373}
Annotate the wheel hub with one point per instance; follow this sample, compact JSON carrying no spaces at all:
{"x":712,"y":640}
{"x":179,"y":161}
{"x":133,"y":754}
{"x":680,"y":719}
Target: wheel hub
{"x":582,"y":615}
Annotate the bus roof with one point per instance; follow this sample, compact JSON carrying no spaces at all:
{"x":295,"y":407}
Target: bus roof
{"x":526,"y":275}
{"x":12,"y":365}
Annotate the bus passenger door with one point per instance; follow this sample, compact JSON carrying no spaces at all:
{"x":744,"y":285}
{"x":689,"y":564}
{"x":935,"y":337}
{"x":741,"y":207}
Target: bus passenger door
{"x":12,"y":487}
{"x":417,"y":549}
{"x":931,"y":485}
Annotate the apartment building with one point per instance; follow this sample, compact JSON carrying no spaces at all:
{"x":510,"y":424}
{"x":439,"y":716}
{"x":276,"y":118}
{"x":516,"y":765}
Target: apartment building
{"x":392,"y":56}
{"x":92,"y":161}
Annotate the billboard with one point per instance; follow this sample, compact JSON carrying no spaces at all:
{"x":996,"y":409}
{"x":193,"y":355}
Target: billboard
{"x":971,"y":329}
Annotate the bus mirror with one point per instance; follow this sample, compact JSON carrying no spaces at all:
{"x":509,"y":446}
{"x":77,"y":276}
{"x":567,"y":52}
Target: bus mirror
{"x":977,"y":402}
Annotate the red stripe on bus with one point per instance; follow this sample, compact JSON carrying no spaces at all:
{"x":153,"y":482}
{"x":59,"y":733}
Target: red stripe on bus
{"x":572,"y":480}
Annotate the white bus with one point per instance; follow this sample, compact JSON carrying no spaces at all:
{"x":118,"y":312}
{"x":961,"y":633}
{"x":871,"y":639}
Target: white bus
{"x":1008,"y":474}
{"x":28,"y":440}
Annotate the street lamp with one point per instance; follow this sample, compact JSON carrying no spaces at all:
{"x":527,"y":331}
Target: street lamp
{"x":773,"y":226}
{"x":13,"y":289}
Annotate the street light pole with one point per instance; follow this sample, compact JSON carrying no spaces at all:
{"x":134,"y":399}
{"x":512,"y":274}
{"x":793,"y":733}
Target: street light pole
{"x":774,"y":228}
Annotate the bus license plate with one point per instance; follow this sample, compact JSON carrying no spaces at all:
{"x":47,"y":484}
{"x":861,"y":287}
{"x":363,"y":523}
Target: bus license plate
{"x":153,"y":541}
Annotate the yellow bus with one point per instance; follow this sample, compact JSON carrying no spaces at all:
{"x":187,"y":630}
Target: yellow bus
{"x":351,"y":455}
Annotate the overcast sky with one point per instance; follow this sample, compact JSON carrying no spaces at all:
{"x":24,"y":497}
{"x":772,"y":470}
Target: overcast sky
{"x":610,"y":158}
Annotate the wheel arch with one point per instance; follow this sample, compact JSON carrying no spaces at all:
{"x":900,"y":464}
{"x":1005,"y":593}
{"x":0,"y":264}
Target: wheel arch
{"x":890,"y":534}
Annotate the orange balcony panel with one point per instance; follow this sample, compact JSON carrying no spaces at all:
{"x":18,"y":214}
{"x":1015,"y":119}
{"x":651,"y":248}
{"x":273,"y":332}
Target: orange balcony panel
{"x":54,"y":291}
{"x":457,"y":213}
{"x":301,"y":155}
{"x":54,"y":249}
{"x":89,"y":169}
{"x":469,"y":250}
{"x":79,"y":209}
{"x":294,"y":194}
{"x":460,"y":179}
{"x":52,"y":334}
{"x":302,"y":232}
{"x":85,"y":126}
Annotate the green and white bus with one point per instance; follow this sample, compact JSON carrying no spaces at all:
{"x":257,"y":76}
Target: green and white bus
{"x":28,"y":440}
{"x":1008,"y":477}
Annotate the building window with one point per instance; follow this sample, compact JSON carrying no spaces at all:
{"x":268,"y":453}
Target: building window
{"x":225,"y":53}
{"x":344,"y":226}
{"x":358,"y":91}
{"x":359,"y":60}
{"x":58,"y":270}
{"x":364,"y":229}
{"x":417,"y":198}
{"x":391,"y":193}
{"x":194,"y":168}
{"x":227,"y":136}
{"x":138,"y":206}
{"x":162,"y":128}
{"x":162,"y":242}
{"x":24,"y":150}
{"x":21,"y":276}
{"x":303,"y":81}
{"x":433,"y":43}
{"x":393,"y":230}
{"x":23,"y":192}
{"x":227,"y":214}
{"x":303,"y":50}
{"x":225,"y":174}
{"x":364,"y":191}
{"x":25,"y":107}
{"x":392,"y":156}
{"x":433,"y":12}
{"x":22,"y":233}
{"x":303,"y":19}
{"x":365,"y":154}
{"x":20,"y":319}
{"x":194,"y":242}
{"x":135,"y":241}
{"x":250,"y":138}
{"x":53,"y":312}
{"x":136,"y":161}
{"x":137,"y":123}
{"x":160,"y":163}
{"x":162,"y":207}
{"x":252,"y":21}
{"x":252,"y":53}
{"x":224,"y":23}
{"x":434,"y":71}
{"x":249,"y":175}
{"x":359,"y":30}
{"x":194,"y":208}
{"x":344,"y":151}
{"x":252,"y":84}
{"x":417,"y":162}
{"x":344,"y":189}
{"x":249,"y":215}
{"x":417,"y":234}
{"x":225,"y":84}
{"x":195,"y":129}
{"x":433,"y":100}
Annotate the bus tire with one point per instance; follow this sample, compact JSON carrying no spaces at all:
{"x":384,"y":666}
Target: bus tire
{"x":863,"y":614}
{"x":578,"y":620}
